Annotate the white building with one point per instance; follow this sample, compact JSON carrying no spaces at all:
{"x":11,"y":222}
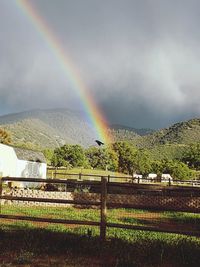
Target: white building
{"x":135,"y":175}
{"x":166,"y":177}
{"x":19,"y":162}
{"x":152,"y":176}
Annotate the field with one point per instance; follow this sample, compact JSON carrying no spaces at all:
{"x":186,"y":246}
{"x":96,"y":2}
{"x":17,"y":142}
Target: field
{"x":31,"y":243}
{"x":95,"y":175}
{"x":43,"y":244}
{"x":68,"y":174}
{"x":125,"y":216}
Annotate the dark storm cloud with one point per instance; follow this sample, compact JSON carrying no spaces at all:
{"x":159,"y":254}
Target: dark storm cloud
{"x":140,"y":59}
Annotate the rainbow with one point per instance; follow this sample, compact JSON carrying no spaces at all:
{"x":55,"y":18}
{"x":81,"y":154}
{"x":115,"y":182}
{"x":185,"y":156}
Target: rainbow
{"x":93,"y":113}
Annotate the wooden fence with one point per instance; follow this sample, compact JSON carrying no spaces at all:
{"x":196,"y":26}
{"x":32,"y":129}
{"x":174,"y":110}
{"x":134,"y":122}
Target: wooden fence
{"x":103,"y":204}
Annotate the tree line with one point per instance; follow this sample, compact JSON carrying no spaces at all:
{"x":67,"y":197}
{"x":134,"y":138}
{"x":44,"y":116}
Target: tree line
{"x":124,"y":157}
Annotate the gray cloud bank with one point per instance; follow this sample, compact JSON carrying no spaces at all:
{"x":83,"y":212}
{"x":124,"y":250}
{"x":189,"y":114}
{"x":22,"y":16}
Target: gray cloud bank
{"x":140,"y":59}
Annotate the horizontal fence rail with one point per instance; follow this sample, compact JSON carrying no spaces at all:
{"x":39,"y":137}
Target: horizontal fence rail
{"x":103,"y":202}
{"x":52,"y":220}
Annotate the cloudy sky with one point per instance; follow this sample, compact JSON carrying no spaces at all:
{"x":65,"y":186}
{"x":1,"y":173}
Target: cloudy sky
{"x":140,"y":59}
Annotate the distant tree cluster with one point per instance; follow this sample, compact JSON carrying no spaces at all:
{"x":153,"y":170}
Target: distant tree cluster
{"x":69,"y":156}
{"x":126,"y":158}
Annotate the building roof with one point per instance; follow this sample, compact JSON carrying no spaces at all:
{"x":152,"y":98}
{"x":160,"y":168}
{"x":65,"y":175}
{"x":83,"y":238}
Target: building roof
{"x":29,"y":155}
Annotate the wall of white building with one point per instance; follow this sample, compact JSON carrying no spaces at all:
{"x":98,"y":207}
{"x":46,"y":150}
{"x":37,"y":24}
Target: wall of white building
{"x":8,"y":161}
{"x":31,"y":170}
{"x":11,"y":166}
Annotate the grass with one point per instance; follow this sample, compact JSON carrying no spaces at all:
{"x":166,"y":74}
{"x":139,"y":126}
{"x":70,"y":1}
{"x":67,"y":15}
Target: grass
{"x":125,"y":216}
{"x":60,"y":173}
{"x":183,"y":217}
{"x":30,"y":240}
{"x":118,"y":177}
{"x":122,"y":248}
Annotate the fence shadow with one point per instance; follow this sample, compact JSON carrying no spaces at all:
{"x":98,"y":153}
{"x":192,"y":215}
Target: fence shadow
{"x":135,"y":251}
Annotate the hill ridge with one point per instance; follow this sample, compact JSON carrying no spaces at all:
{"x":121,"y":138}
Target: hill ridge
{"x":55,"y":127}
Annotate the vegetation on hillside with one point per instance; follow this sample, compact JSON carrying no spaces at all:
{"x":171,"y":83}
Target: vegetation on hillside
{"x":180,"y":133}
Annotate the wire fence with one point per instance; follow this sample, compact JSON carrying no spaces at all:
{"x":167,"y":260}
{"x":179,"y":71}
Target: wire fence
{"x":101,"y":203}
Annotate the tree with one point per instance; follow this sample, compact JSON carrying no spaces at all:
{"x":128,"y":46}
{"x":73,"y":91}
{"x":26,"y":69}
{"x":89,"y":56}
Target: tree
{"x":157,"y":167}
{"x":5,"y":137}
{"x":126,"y":157}
{"x":102,"y":158}
{"x":142,"y":162}
{"x":191,"y":156}
{"x":58,"y":161}
{"x":178,"y":170}
{"x":69,"y":155}
{"x":48,"y":153}
{"x":181,"y":171}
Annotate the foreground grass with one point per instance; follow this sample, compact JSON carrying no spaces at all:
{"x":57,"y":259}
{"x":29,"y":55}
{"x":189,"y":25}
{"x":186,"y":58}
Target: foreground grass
{"x":122,"y":248}
{"x":113,"y":215}
{"x":30,"y":240}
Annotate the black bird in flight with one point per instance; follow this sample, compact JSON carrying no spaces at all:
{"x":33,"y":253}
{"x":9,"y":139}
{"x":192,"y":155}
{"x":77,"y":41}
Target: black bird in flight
{"x":99,"y":142}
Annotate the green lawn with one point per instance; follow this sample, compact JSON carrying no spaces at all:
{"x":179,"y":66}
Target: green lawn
{"x":123,"y":216}
{"x":60,"y":173}
{"x":122,"y":248}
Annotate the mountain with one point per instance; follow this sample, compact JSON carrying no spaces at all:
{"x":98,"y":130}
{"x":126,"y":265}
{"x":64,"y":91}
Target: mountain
{"x":164,"y":143}
{"x":126,"y":133}
{"x":182,"y":133}
{"x":49,"y":128}
{"x":141,"y":132}
{"x":55,"y":127}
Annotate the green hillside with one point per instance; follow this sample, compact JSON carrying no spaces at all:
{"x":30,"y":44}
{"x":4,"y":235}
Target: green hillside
{"x":49,"y":128}
{"x":180,"y":133}
{"x":167,"y":143}
{"x":55,"y":127}
{"x":168,"y":151}
{"x":127,"y":129}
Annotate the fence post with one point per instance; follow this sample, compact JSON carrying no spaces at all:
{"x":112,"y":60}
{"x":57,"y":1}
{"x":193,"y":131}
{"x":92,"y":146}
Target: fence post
{"x":103,"y":208}
{"x":138,"y":179}
{"x":79,"y":176}
{"x":108,"y":181}
{"x":169,"y":182}
{"x":55,"y":172}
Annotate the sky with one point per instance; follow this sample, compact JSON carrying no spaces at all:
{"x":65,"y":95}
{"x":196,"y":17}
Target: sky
{"x":140,"y":59}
